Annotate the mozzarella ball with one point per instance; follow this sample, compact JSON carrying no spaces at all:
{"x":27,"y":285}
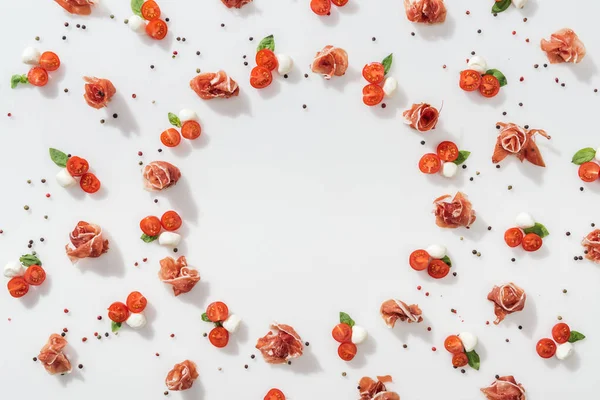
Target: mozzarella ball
{"x":232,"y":323}
{"x":13,"y":269}
{"x":468,"y":340}
{"x":187,"y":115}
{"x":136,"y":320}
{"x":437,"y":251}
{"x":169,"y":239}
{"x":31,"y":56}
{"x":564,"y":351}
{"x":449,"y":169}
{"x":598,"y":154}
{"x":285,"y":64}
{"x":389,"y":86}
{"x":524,"y":220}
{"x":519,"y":3}
{"x":359,"y":334}
{"x":64,"y":178}
{"x":478,"y":64}
{"x":137,"y":24}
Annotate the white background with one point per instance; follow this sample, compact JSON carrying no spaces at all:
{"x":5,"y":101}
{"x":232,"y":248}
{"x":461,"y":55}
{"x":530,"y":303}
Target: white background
{"x":293,"y":214}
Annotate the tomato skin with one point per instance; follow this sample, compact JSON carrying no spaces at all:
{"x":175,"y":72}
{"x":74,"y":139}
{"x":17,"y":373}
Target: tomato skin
{"x":274,"y":394}
{"x":49,"y":61}
{"x":17,"y":287}
{"x":419,"y":260}
{"x":438,"y":269}
{"x":260,"y":77}
{"x":171,"y":221}
{"x":589,"y":171}
{"x":342,"y":333}
{"x":320,"y":7}
{"x":490,"y":86}
{"x":217,"y":311}
{"x":170,"y":137}
{"x":532,"y":242}
{"x":219,"y":337}
{"x":513,"y":237}
{"x":136,"y":302}
{"x":150,"y":10}
{"x":150,"y":225}
{"x":89,"y":183}
{"x":546,"y":348}
{"x":35,"y":275}
{"x":347,"y":351}
{"x":340,"y":3}
{"x":447,"y":151}
{"x":77,"y":166}
{"x":372,"y":94}
{"x":459,"y":360}
{"x":157,"y":29}
{"x":267,"y":59}
{"x":430,"y":163}
{"x":374,"y":72}
{"x":561,"y":333}
{"x":118,"y":312}
{"x":470,"y":80}
{"x":454,"y":345}
{"x":191,"y":130}
{"x":37,"y":76}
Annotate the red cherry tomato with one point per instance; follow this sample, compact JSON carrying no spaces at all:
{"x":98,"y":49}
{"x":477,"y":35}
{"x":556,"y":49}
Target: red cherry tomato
{"x":374,"y":72}
{"x":260,"y":77}
{"x":419,"y":260}
{"x":454,"y":345}
{"x":320,"y":7}
{"x":267,"y":59}
{"x":275,"y":394}
{"x":217,"y":311}
{"x":459,"y":360}
{"x":589,"y":171}
{"x":546,"y":348}
{"x":37,"y":76}
{"x":170,"y":137}
{"x":430,"y":163}
{"x":342,"y":332}
{"x":89,"y":183}
{"x":77,"y":166}
{"x":150,"y":225}
{"x":438,"y":269}
{"x":118,"y":312}
{"x":532,"y":242}
{"x":219,"y":337}
{"x":157,"y":29}
{"x":561,"y":333}
{"x":35,"y":275}
{"x":513,"y":237}
{"x":171,"y":221}
{"x":340,"y":3}
{"x":150,"y":10}
{"x":136,"y":302}
{"x":191,"y":130}
{"x":447,"y":151}
{"x":490,"y":86}
{"x":347,"y":351}
{"x":17,"y":287}
{"x":470,"y":80}
{"x":372,"y":95}
{"x":49,"y":61}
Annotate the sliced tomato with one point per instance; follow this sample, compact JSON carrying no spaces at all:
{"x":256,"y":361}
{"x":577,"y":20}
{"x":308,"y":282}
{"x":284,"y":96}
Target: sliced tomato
{"x":438,"y":269}
{"x":118,"y":312}
{"x":89,"y":183}
{"x":419,"y":260}
{"x":150,"y":225}
{"x":490,"y":86}
{"x":219,"y":337}
{"x":430,"y":163}
{"x":470,"y":80}
{"x":459,"y":360}
{"x":157,"y":29}
{"x":217,"y":311}
{"x":266,"y":58}
{"x":77,"y":166}
{"x":136,"y":302}
{"x":17,"y":287}
{"x":447,"y":151}
{"x":170,"y":137}
{"x":374,"y":72}
{"x":260,"y":77}
{"x":49,"y":61}
{"x":37,"y":76}
{"x":513,"y":237}
{"x":191,"y":130}
{"x":532,"y":242}
{"x":372,"y":95}
{"x":320,"y":7}
{"x":454,"y":345}
{"x":171,"y":221}
{"x":35,"y":275}
{"x":340,"y":3}
{"x":342,"y":333}
{"x":546,"y":348}
{"x":150,"y":10}
{"x":589,"y":171}
{"x":347,"y":351}
{"x":561,"y":333}
{"x":274,"y":394}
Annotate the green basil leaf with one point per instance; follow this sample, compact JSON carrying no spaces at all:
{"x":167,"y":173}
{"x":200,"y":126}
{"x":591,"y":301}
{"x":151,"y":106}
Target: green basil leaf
{"x":136,"y":7}
{"x":576,"y":337}
{"x":29,"y":259}
{"x":174,"y":120}
{"x":474,"y":361}
{"x":24,"y":79}
{"x":267,"y":43}
{"x":345,"y":319}
{"x":538,"y":229}
{"x":14,"y":81}
{"x":115,"y":326}
{"x":58,"y":157}
{"x":583,"y":156}
{"x":462,"y":157}
{"x":499,"y":75}
{"x":446,"y":259}
{"x":387,"y":63}
{"x":148,"y":239}
{"x":205,"y":318}
{"x":218,"y":324}
{"x":500,"y":6}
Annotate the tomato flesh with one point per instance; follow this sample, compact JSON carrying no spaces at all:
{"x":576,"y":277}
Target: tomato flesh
{"x":157,"y":29}
{"x":17,"y":287}
{"x":219,"y":337}
{"x":191,"y":130}
{"x":35,"y":275}
{"x":136,"y":302}
{"x":267,"y":59}
{"x":459,"y":360}
{"x":546,"y":348}
{"x":419,"y":260}
{"x":89,"y":183}
{"x":320,"y":7}
{"x":589,"y":171}
{"x":454,"y":345}
{"x":274,"y":394}
{"x":447,"y":151}
{"x":150,"y":10}
{"x":513,"y":237}
{"x":342,"y":333}
{"x":347,"y":351}
{"x":37,"y":76}
{"x":77,"y":166}
{"x":372,"y":94}
{"x":430,"y":163}
{"x":260,"y":77}
{"x":532,"y":242}
{"x":470,"y":80}
{"x":561,"y":333}
{"x":217,"y":311}
{"x":150,"y":225}
{"x":374,"y":72}
{"x":490,"y":86}
{"x":49,"y":61}
{"x":340,"y":3}
{"x":171,"y":221}
{"x":170,"y":137}
{"x":118,"y":312}
{"x":438,"y":269}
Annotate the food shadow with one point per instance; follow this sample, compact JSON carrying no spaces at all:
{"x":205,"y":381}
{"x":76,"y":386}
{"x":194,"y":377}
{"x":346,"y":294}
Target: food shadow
{"x":586,"y":70}
{"x":412,"y":329}
{"x":195,"y":392}
{"x":330,"y":20}
{"x":350,"y":8}
{"x":339,"y":82}
{"x":50,"y":91}
{"x":436,"y":31}
{"x":75,"y":374}
{"x":183,"y":201}
{"x":270,"y":91}
{"x":475,"y":232}
{"x":306,"y":364}
{"x":35,"y":292}
{"x":109,"y":264}
{"x":200,"y":142}
{"x":393,"y":105}
{"x":197,"y":296}
{"x":231,"y":107}
{"x":125,"y":120}
{"x":527,"y":318}
{"x":147,"y":332}
{"x":164,"y":44}
{"x":294,"y":76}
{"x":364,"y":349}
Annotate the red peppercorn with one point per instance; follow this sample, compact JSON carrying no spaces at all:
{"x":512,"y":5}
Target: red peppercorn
{"x":521,"y":79}
{"x":444,"y":66}
{"x":47,"y":194}
{"x":66,"y":310}
{"x":157,"y":354}
{"x":426,"y":293}
{"x":487,"y":322}
{"x":172,"y":335}
{"x":140,"y":153}
{"x":428,"y":329}
{"x":65,"y":330}
{"x":419,"y":287}
{"x":514,"y":32}
{"x":9,"y":114}
{"x":433,"y":349}
{"x":144,"y":259}
{"x":95,"y":333}
{"x":84,"y":339}
{"x":99,"y":317}
{"x":175,"y":53}
{"x":468,"y":12}
{"x":527,"y":40}
{"x":136,"y":264}
{"x":134,"y":95}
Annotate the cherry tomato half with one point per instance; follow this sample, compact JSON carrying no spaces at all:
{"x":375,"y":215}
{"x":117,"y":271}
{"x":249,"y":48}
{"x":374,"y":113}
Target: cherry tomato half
{"x":35,"y":275}
{"x":561,"y":333}
{"x":532,"y":242}
{"x":347,"y":351}
{"x":37,"y":76}
{"x":171,"y":221}
{"x":459,"y":360}
{"x":490,"y":86}
{"x":266,"y":58}
{"x":340,"y":3}
{"x":374,"y":72}
{"x":157,"y":29}
{"x":219,"y":337}
{"x":191,"y":130}
{"x":470,"y":80}
{"x":438,"y":269}
{"x":17,"y":287}
{"x":89,"y":183}
{"x":274,"y":394}
{"x":447,"y":151}
{"x":430,"y":163}
{"x":260,"y":77}
{"x":419,"y":260}
{"x":513,"y":237}
{"x":150,"y":10}
{"x":454,"y":345}
{"x":589,"y":171}
{"x":372,"y":95}
{"x":546,"y":348}
{"x":118,"y":312}
{"x":170,"y":137}
{"x":342,"y":333}
{"x":217,"y":311}
{"x":150,"y":225}
{"x":136,"y":302}
{"x":77,"y":166}
{"x":49,"y":61}
{"x":320,"y":7}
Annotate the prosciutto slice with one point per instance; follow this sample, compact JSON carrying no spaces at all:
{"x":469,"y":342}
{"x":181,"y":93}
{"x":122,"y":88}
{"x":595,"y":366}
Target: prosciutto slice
{"x":421,"y":117}
{"x":182,"y":376}
{"x":591,"y":244}
{"x":507,"y":299}
{"x":371,"y":389}
{"x":52,"y":358}
{"x":79,"y":7}
{"x":504,"y":388}
{"x":177,"y":273}
{"x":393,"y":310}
{"x":455,"y":213}
{"x":564,"y":46}
{"x":280,"y":345}
{"x":98,"y":91}
{"x":425,"y":11}
{"x":159,"y":175}
{"x":330,"y":61}
{"x":86,"y":241}
{"x":235,"y":3}
{"x":209,"y":85}
{"x":520,"y":142}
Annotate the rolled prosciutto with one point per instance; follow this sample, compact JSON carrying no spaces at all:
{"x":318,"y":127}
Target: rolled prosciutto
{"x":507,"y":299}
{"x":86,"y":241}
{"x":421,"y":117}
{"x":79,"y":7}
{"x":235,"y":3}
{"x":564,"y":46}
{"x":210,"y":85}
{"x":98,"y":92}
{"x":280,"y":345}
{"x":454,"y":213}
{"x":52,"y":357}
{"x":371,"y":389}
{"x":330,"y":61}
{"x":591,"y":244}
{"x":393,"y":310}
{"x":177,"y":273}
{"x":425,"y":11}
{"x":518,"y":141}
{"x":159,"y":175}
{"x":504,"y":388}
{"x":182,"y":376}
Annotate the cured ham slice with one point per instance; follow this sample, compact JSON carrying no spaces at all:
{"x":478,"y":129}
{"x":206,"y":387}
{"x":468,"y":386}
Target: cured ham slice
{"x":159,"y":175}
{"x":421,"y":117}
{"x":52,"y":358}
{"x":371,"y":389}
{"x":98,"y":91}
{"x":330,"y":61}
{"x":504,"y":388}
{"x":591,"y":244}
{"x":393,"y":310}
{"x":235,"y":3}
{"x":455,"y":213}
{"x":425,"y":11}
{"x":209,"y":85}
{"x":564,"y":46}
{"x":182,"y":376}
{"x":79,"y":7}
{"x":86,"y":241}
{"x":518,"y":141}
{"x":507,"y":299}
{"x":280,"y":345}
{"x":177,"y":273}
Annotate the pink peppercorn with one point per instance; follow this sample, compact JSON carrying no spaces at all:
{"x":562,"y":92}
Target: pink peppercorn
{"x":66,"y":310}
{"x":433,"y":349}
{"x":47,"y":194}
